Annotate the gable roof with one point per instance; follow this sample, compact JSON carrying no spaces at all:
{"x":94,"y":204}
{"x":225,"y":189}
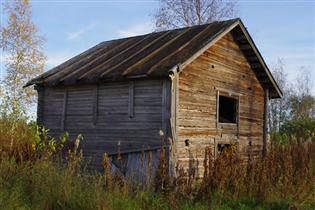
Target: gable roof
{"x":154,"y":55}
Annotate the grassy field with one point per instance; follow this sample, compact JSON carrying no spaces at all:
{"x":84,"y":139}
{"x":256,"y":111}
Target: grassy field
{"x":34,"y":176}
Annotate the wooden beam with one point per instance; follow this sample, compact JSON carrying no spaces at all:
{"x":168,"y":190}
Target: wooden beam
{"x":167,"y":102}
{"x":245,"y":47}
{"x":131,"y":99}
{"x":136,"y":150}
{"x":228,"y":91}
{"x":264,"y":80}
{"x":177,"y":105}
{"x":217,"y":108}
{"x":95,"y":105}
{"x":256,"y":65}
{"x":252,"y":58}
{"x":238,"y":115}
{"x":64,"y":110}
{"x":173,"y":121}
{"x":240,"y":38}
{"x":272,"y":94}
{"x":164,"y":108}
{"x":174,"y":105}
{"x":265,"y":132}
{"x":268,"y":85}
{"x":40,"y":103}
{"x":260,"y":73}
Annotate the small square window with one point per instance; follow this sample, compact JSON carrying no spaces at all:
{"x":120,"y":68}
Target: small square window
{"x":227,"y":109}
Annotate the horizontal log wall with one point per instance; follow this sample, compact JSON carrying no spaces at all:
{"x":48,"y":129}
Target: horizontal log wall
{"x":127,"y":115}
{"x":221,"y":68}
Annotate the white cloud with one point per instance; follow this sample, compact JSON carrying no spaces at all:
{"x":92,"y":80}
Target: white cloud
{"x":77,"y":34}
{"x":137,"y":29}
{"x":52,"y":59}
{"x":58,"y":58}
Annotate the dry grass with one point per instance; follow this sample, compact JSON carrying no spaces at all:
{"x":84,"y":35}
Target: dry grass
{"x":32,"y":177}
{"x":285,"y":177}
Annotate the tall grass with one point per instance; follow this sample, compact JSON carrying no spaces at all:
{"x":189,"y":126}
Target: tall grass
{"x":32,"y":176}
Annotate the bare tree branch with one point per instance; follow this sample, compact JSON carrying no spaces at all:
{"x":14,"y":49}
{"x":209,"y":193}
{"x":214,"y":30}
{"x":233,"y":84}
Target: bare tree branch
{"x":182,"y":13}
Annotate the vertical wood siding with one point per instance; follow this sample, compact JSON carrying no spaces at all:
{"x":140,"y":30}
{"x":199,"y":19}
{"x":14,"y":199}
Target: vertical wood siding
{"x":223,"y":67}
{"x":40,"y":103}
{"x":117,"y":122}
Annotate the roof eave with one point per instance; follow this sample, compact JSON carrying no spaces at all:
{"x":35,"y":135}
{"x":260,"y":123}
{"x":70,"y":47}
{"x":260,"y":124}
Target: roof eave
{"x":216,"y":37}
{"x":219,"y":35}
{"x":262,"y":61}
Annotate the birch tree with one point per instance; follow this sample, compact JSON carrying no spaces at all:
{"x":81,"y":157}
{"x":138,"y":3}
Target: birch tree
{"x":297,"y":101}
{"x":279,"y":111}
{"x":22,"y":46}
{"x":302,"y":101}
{"x":181,"y":13}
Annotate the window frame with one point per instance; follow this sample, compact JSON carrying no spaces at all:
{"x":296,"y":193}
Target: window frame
{"x":229,"y":94}
{"x":236,"y":108}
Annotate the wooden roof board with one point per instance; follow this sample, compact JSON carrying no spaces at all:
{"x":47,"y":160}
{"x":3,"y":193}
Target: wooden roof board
{"x":106,"y":54}
{"x":154,"y":55}
{"x":115,"y":52}
{"x":186,"y":51}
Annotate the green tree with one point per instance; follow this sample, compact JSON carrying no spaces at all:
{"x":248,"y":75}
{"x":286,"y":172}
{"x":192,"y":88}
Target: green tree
{"x":302,"y":101}
{"x":181,"y":13}
{"x":279,"y":111}
{"x":22,"y":46}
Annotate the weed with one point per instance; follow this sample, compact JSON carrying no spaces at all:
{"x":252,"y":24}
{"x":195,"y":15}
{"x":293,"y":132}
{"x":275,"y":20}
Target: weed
{"x":40,"y":172}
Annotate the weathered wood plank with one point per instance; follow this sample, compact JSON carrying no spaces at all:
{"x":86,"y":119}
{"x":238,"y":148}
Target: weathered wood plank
{"x":265,"y":129}
{"x":131,"y":99}
{"x":64,"y":110}
{"x":221,"y":69}
{"x":40,"y":103}
{"x":166,"y":107}
{"x":74,"y":109}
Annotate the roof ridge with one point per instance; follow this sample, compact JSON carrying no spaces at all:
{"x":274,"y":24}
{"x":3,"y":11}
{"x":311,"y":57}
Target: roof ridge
{"x":175,"y":29}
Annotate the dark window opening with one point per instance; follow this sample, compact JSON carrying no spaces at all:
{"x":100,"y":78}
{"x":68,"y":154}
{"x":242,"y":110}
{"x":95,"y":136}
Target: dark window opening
{"x":187,"y":142}
{"x":227,"y":109}
{"x":223,"y":147}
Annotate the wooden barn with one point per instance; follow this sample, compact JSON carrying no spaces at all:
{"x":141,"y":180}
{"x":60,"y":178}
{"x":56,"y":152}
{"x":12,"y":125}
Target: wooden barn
{"x":202,"y":86}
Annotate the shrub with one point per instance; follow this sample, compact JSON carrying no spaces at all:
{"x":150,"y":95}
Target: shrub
{"x":27,"y":141}
{"x":299,"y":130}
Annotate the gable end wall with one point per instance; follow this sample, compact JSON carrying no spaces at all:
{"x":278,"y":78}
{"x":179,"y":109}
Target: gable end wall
{"x":222,"y":67}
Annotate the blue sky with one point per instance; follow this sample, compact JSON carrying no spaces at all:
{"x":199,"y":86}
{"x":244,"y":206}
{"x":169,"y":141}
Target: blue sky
{"x":280,"y":29}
